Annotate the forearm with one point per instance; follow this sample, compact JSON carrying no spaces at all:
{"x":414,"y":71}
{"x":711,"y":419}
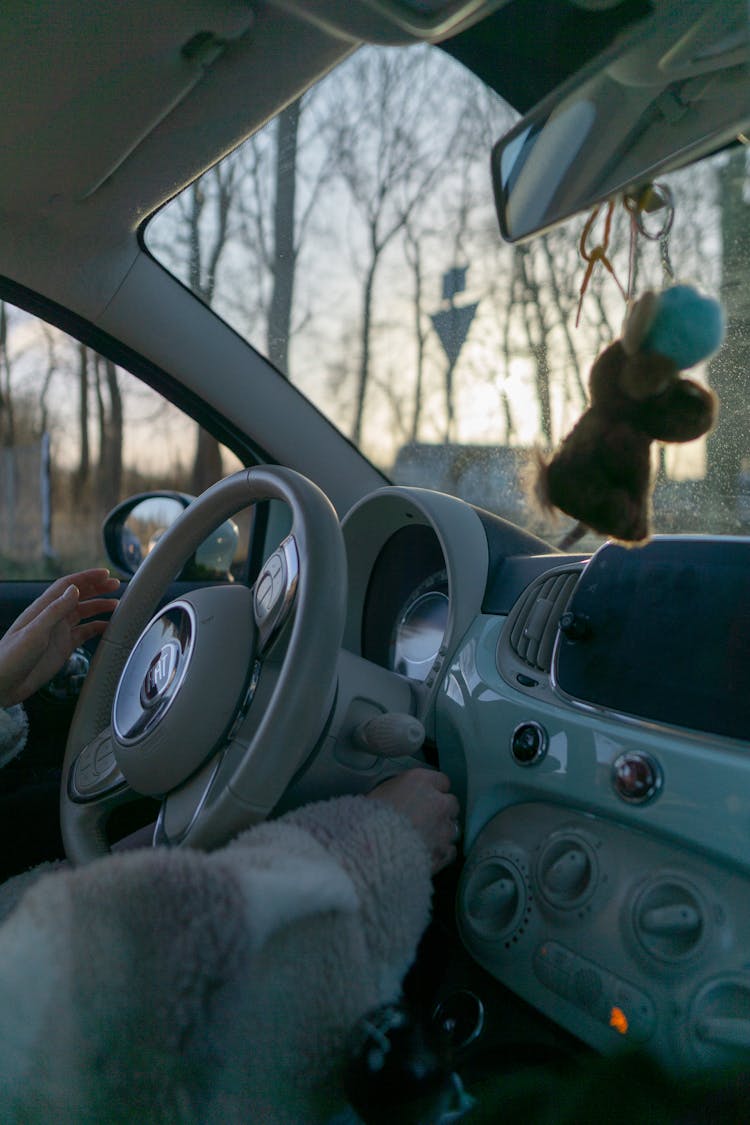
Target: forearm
{"x":132,"y":976}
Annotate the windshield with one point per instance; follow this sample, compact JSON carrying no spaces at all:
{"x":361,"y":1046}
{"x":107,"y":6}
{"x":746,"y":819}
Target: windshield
{"x":354,"y":242}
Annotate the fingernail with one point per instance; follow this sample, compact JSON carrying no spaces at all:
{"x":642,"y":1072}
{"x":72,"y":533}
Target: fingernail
{"x":72,"y":590}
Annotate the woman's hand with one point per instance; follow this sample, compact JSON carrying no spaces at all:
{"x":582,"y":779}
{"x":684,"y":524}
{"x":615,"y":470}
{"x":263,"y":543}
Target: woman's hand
{"x":424,"y":797}
{"x":42,"y":638}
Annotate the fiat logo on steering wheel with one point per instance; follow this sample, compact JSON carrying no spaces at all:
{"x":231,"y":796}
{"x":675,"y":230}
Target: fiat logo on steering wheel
{"x":160,"y":675}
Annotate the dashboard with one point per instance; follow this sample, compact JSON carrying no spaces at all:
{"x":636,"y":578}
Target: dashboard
{"x":592,"y":714}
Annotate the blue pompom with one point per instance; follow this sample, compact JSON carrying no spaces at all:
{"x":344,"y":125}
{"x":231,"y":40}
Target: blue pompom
{"x":687,"y":328}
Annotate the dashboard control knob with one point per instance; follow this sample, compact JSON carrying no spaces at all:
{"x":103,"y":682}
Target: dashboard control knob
{"x":636,"y":777}
{"x":720,"y":1021}
{"x":672,"y":920}
{"x":669,"y":918}
{"x":529,"y":743}
{"x":567,"y":872}
{"x":493,"y":896}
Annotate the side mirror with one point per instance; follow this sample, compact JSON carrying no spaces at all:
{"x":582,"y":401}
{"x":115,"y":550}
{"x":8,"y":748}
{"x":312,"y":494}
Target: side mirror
{"x":133,"y":528}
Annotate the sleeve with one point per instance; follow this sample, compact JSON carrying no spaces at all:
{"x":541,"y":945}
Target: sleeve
{"x":389,"y":865}
{"x":178,"y":986}
{"x":14,"y":728}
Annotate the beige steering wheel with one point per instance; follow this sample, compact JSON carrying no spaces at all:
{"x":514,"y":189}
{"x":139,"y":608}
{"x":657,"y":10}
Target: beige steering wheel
{"x":214,"y":702}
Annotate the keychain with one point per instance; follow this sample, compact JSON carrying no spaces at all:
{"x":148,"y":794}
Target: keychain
{"x":653,"y":198}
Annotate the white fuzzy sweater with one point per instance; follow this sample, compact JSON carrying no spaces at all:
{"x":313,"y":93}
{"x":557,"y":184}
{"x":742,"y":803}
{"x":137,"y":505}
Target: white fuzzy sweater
{"x":184,"y":987}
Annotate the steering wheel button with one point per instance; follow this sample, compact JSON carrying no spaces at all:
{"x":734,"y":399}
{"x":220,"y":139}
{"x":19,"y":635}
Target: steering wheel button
{"x":85,"y":775}
{"x":104,"y":755}
{"x":264,"y":595}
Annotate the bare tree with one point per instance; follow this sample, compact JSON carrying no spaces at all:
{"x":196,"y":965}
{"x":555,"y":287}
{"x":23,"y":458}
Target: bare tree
{"x":110,"y":418}
{"x":285,"y":247}
{"x":535,"y":322}
{"x":388,"y":163}
{"x":49,"y":374}
{"x":192,"y":237}
{"x":6,"y":395}
{"x":414,"y":253}
{"x":84,"y":452}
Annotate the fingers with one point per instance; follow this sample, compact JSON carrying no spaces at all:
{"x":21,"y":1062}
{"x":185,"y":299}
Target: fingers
{"x":50,"y":595}
{"x":445,"y":847}
{"x":423,"y":796}
{"x":441,"y":781}
{"x":446,"y":828}
{"x":93,"y":607}
{"x":58,"y":609}
{"x":67,"y":606}
{"x":85,"y":632}
{"x":448,"y":857}
{"x":95,"y":581}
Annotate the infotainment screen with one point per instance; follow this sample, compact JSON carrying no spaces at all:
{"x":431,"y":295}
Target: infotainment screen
{"x":663,"y":632}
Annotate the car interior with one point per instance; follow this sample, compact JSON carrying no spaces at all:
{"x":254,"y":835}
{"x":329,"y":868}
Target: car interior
{"x":293,"y":296}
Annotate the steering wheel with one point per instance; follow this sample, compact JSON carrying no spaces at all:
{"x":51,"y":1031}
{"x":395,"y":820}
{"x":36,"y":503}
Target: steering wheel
{"x":212,"y":703}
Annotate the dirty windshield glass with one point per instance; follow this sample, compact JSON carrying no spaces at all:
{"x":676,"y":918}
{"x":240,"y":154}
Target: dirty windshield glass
{"x":354,"y":242}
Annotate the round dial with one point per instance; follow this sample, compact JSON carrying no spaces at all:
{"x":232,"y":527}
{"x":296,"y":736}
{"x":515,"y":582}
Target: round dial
{"x":420,"y":628}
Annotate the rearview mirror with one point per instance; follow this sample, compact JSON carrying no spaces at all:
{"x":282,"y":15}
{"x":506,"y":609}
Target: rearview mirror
{"x":676,"y":89}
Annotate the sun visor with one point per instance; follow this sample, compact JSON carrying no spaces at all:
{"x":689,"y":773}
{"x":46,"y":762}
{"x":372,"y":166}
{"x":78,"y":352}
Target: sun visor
{"x":113,"y":85}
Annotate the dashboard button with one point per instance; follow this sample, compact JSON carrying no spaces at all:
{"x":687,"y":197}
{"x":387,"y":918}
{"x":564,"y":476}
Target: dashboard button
{"x":608,"y":999}
{"x":529,"y":743}
{"x":552,"y":964}
{"x":631,"y":1012}
{"x":636,"y":777}
{"x":588,"y":989}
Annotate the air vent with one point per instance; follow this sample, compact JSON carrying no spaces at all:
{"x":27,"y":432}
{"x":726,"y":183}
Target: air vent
{"x":532,"y":625}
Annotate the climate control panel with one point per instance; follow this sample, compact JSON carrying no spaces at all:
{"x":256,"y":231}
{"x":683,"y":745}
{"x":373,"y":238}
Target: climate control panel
{"x":620,"y":936}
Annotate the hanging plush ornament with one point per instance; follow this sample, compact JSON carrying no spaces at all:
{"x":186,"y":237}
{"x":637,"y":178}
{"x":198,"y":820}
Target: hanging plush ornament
{"x":601,"y":473}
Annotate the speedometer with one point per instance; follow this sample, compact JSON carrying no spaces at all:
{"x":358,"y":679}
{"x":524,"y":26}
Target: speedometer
{"x":420,"y":628}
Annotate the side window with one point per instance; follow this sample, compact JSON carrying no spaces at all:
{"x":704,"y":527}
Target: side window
{"x":77,"y":436}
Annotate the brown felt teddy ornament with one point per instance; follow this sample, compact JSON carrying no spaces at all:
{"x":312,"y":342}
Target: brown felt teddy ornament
{"x":601,"y":474}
